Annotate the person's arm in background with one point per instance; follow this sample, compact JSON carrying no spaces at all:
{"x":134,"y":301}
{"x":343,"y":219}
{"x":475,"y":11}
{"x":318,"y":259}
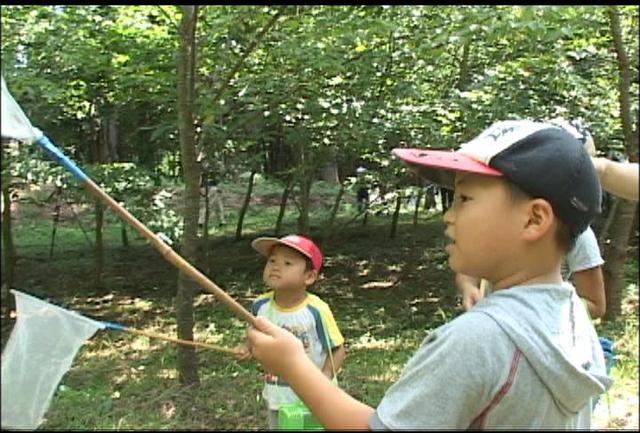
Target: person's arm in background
{"x":470,"y":289}
{"x":333,"y":340}
{"x":584,"y":263}
{"x":619,"y":178}
{"x":339,"y":354}
{"x":589,"y":285}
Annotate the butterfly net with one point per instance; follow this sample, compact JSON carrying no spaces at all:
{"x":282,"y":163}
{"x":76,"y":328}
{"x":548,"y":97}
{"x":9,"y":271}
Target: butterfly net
{"x":14,"y":124}
{"x":40,"y":350}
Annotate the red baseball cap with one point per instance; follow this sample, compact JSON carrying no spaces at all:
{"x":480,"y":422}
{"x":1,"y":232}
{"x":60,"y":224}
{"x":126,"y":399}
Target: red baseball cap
{"x":545,"y":160}
{"x":301,"y":244}
{"x":439,"y":166}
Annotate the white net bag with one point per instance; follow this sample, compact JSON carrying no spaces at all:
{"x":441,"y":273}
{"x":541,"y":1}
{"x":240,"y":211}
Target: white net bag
{"x":14,"y":123}
{"x":40,"y":350}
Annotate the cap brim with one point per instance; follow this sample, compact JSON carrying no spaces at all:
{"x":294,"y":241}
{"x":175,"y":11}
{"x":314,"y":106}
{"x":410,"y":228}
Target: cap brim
{"x":440,"y":166}
{"x":264,"y":246}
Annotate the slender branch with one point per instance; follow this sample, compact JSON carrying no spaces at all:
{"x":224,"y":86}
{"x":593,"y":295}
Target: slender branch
{"x":624,"y":84}
{"x":173,"y":23}
{"x":248,"y":51}
{"x":179,"y":341}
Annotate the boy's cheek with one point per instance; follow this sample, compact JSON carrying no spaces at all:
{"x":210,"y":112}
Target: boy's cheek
{"x":452,"y":266}
{"x":456,"y":265}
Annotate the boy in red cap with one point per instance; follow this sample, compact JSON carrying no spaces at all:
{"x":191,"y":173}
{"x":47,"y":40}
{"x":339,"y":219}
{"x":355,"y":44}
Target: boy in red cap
{"x":528,"y":356}
{"x":293,"y":264}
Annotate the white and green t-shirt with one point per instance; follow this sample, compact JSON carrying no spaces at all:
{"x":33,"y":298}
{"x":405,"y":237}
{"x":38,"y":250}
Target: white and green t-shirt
{"x":313,"y":323}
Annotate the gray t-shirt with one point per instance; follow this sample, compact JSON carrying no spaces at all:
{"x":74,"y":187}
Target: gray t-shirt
{"x":526,"y":357}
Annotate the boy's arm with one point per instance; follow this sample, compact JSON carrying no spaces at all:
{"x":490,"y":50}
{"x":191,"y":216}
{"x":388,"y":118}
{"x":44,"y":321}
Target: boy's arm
{"x":590,"y":287}
{"x":338,"y":354}
{"x":281,"y":353}
{"x":619,"y":178}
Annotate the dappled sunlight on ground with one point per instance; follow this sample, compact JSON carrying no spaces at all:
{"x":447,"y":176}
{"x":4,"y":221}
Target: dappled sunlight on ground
{"x":387,"y":377}
{"x":366,"y":341}
{"x":618,"y":409}
{"x":379,"y":284}
{"x":168,"y":373}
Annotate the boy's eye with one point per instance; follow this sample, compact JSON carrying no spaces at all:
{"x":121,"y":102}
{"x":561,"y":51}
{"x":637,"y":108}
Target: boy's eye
{"x":287,"y":263}
{"x":462,"y":198}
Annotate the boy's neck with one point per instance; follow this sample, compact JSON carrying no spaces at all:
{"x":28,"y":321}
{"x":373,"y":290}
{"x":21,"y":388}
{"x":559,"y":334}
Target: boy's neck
{"x":536,"y":263}
{"x":289,"y":298}
{"x":550,"y":275}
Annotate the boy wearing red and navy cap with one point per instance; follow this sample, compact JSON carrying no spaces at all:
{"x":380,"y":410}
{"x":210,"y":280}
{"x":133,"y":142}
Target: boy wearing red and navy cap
{"x":528,"y":356}
{"x":293,"y":265}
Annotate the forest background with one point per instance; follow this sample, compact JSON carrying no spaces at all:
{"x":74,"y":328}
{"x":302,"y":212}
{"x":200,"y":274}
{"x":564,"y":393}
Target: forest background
{"x":279,"y":106}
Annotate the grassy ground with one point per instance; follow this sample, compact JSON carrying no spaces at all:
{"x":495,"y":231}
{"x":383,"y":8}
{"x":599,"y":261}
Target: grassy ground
{"x":385,"y":293}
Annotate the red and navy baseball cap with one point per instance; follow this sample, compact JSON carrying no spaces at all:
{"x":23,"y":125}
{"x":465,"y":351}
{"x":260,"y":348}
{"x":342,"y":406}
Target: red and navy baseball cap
{"x":301,"y":244}
{"x":543,"y":159}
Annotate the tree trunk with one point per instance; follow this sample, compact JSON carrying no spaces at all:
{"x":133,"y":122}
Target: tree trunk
{"x":283,"y":204}
{"x":8,"y":252}
{"x":99,"y":246}
{"x":206,"y":212}
{"x":205,"y":227}
{"x":336,"y":207}
{"x":329,"y":172}
{"x":98,"y":156}
{"x":417,"y":208}
{"x":56,"y":219}
{"x":633,"y":234}
{"x":624,"y":87}
{"x":446,"y":198}
{"x":615,"y":252}
{"x":123,"y":235}
{"x":305,"y":203}
{"x":187,"y":360}
{"x":105,"y":150}
{"x":109,"y":138}
{"x":606,"y":227}
{"x":396,"y":215}
{"x":245,"y":206}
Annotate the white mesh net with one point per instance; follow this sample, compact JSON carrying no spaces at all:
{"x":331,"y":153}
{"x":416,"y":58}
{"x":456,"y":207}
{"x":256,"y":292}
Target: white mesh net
{"x":40,"y":350}
{"x":14,"y":123}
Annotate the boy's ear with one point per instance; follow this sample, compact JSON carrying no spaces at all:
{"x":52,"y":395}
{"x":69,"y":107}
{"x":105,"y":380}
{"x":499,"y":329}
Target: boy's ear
{"x":540,"y":218}
{"x":311,"y":277}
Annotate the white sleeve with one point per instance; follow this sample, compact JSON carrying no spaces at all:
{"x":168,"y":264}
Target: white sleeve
{"x":585,"y":254}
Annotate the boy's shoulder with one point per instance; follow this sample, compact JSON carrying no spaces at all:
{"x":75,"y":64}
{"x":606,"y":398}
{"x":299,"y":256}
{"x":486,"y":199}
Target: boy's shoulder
{"x":470,"y":327}
{"x":315,"y":301}
{"x":532,"y":311}
{"x":472,"y":342}
{"x":262,"y":299}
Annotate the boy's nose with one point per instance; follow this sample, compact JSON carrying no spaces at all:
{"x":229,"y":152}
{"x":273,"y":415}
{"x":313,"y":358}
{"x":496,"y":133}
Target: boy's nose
{"x":275,"y":266}
{"x":448,"y":216}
